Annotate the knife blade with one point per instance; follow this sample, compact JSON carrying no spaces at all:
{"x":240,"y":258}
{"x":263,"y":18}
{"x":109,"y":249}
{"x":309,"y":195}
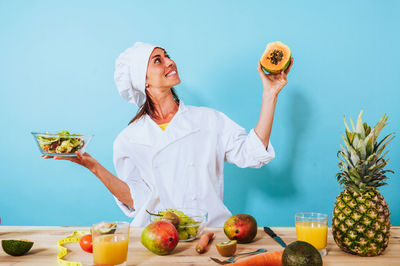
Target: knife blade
{"x":274,"y":236}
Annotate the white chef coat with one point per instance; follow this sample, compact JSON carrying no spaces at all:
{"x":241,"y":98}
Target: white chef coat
{"x":183,"y":166}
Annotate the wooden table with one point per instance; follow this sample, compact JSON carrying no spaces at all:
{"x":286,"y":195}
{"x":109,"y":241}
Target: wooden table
{"x":44,"y":251}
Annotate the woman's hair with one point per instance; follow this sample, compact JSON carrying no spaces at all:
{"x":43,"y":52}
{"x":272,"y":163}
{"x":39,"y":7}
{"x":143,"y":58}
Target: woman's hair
{"x":148,"y":107}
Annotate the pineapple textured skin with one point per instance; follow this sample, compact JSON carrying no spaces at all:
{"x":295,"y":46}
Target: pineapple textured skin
{"x":361,"y":218}
{"x":361,"y":223}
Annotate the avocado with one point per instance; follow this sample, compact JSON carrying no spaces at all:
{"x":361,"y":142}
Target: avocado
{"x":16,"y":247}
{"x":300,"y":253}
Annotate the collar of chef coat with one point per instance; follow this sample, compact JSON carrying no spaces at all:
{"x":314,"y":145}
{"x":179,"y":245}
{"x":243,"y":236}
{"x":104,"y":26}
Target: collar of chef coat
{"x":147,"y":132}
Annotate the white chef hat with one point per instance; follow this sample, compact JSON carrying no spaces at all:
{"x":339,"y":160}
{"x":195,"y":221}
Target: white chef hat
{"x":130,"y":72}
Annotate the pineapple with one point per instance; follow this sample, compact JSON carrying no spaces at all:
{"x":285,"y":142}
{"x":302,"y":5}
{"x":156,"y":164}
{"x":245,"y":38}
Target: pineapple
{"x":361,"y":218}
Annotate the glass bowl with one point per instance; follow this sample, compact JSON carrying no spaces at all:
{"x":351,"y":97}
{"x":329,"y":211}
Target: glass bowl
{"x":62,"y":143}
{"x":191,"y":221}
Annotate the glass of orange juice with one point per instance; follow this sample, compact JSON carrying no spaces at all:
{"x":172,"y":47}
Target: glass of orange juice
{"x":110,"y":242}
{"x":312,"y":228}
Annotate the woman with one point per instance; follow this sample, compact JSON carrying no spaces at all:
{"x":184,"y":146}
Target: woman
{"x":172,"y":155}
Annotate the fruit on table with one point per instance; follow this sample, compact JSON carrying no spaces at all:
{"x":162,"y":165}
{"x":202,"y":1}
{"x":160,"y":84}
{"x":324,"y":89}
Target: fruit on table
{"x":16,"y":247}
{"x":183,"y":235}
{"x":171,"y":217}
{"x":300,"y":253}
{"x":241,"y":227}
{"x":167,"y":216}
{"x":361,"y":218}
{"x":276,"y":57}
{"x":160,"y":237}
{"x":86,"y":243}
{"x":227,"y":248}
{"x":187,"y":227}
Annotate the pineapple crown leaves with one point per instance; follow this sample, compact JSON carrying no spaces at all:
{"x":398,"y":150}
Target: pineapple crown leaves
{"x":361,"y":160}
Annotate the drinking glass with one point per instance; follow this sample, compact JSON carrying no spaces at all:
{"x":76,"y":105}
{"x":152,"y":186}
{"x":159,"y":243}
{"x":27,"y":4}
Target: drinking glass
{"x":312,"y":228}
{"x":110,"y":242}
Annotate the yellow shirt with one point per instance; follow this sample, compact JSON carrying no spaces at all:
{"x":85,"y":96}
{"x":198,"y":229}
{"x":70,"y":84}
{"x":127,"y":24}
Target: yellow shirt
{"x":163,"y":126}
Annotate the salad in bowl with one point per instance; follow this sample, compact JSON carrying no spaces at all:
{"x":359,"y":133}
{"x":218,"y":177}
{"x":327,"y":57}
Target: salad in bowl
{"x":62,"y":143}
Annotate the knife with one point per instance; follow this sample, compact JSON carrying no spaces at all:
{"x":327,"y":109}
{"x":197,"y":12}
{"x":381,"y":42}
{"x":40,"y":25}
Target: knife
{"x":274,"y":236}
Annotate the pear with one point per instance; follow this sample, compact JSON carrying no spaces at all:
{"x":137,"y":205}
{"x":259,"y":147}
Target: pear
{"x":168,"y":216}
{"x":172,"y":218}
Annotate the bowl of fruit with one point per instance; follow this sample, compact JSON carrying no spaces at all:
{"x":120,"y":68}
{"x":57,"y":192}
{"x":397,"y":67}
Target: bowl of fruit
{"x":189,"y":222}
{"x":61,"y":143}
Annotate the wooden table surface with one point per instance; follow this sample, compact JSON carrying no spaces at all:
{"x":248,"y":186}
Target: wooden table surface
{"x":44,"y":250}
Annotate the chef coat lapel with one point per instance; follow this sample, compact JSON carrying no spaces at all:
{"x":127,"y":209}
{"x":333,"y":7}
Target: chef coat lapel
{"x":143,"y":132}
{"x":148,"y":133}
{"x":179,"y":127}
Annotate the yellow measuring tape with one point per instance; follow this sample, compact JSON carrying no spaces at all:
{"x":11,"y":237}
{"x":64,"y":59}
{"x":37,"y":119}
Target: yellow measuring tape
{"x":75,"y":237}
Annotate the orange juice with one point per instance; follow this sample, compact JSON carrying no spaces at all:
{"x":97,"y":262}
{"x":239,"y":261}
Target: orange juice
{"x":312,"y":232}
{"x":110,"y":249}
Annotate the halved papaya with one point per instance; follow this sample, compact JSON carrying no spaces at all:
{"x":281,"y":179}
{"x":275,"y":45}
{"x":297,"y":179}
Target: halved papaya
{"x":276,"y":57}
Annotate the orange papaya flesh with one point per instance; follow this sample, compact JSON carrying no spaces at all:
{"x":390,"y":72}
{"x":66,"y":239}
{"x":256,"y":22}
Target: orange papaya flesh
{"x":276,"y":57}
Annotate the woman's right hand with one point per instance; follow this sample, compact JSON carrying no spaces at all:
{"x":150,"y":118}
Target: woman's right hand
{"x":83,"y":159}
{"x":273,"y":83}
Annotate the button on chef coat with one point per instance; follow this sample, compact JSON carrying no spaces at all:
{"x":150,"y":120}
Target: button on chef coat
{"x":183,"y":166}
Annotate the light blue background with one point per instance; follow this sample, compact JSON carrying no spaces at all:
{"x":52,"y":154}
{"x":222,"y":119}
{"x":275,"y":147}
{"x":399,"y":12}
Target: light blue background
{"x":56,"y":72}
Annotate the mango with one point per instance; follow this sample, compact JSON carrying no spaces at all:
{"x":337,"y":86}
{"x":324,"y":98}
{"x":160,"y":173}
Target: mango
{"x":241,"y":227}
{"x":160,"y":237}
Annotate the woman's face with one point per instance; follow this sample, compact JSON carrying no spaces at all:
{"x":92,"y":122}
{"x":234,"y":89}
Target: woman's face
{"x":161,"y":70}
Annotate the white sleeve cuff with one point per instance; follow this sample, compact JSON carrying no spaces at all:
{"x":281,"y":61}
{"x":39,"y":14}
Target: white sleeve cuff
{"x":258,"y":149}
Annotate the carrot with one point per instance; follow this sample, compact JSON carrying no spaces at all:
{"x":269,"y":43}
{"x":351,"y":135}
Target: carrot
{"x":205,"y":239}
{"x":264,"y":259}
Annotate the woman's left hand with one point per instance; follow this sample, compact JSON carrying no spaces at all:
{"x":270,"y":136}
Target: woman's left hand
{"x":273,"y":83}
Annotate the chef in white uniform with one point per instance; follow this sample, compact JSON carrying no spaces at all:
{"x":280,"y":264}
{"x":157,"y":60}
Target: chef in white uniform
{"x":172,"y":155}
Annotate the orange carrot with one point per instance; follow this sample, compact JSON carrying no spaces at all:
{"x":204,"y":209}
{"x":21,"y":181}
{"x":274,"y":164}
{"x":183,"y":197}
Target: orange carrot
{"x":205,"y":239}
{"x":264,"y":259}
